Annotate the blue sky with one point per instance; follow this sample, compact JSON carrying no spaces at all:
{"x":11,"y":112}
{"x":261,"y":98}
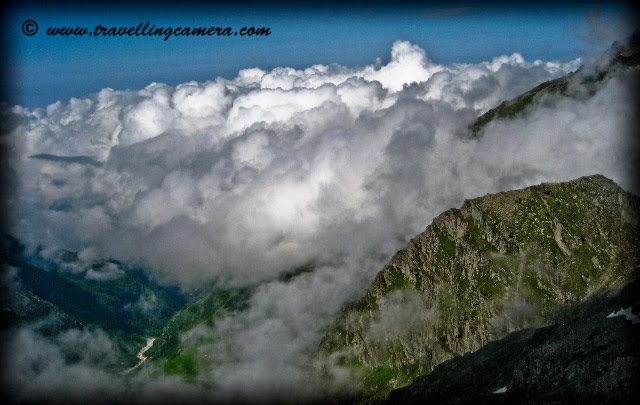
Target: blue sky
{"x":45,"y":69}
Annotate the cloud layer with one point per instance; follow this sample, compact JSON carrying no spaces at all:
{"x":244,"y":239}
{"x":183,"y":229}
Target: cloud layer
{"x":242,"y":179}
{"x":239,"y":180}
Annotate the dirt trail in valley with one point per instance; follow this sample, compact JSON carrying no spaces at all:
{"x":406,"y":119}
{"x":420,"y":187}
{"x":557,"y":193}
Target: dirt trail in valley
{"x":141,"y":355}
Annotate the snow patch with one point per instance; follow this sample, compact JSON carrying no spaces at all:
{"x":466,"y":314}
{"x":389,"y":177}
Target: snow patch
{"x":626,"y":312}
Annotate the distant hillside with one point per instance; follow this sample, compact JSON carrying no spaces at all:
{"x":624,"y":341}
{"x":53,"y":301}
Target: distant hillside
{"x":500,"y":263}
{"x":170,"y":352}
{"x":214,"y":303}
{"x":107,"y":294}
{"x":584,"y":83}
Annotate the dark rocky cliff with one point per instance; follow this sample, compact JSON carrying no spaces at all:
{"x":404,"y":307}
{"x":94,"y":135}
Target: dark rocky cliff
{"x":590,"y":353}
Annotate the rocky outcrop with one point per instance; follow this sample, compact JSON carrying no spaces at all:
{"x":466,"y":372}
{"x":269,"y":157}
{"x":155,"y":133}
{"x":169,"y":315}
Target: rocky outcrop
{"x":498,"y":264}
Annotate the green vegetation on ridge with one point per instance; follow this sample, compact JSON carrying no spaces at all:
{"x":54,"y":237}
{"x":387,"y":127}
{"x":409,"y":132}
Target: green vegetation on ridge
{"x":500,"y":263}
{"x":588,"y":80}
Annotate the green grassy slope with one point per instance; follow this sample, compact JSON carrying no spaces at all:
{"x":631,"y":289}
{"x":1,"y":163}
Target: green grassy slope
{"x":501,"y":262}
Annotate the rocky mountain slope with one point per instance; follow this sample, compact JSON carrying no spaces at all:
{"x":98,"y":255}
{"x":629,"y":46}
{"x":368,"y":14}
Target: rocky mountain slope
{"x":498,"y":264}
{"x":591,"y":352}
{"x":619,"y":59}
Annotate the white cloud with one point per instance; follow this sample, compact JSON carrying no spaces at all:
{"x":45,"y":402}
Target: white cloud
{"x":409,"y":64}
{"x":245,"y":178}
{"x":80,"y":365}
{"x":242,"y":179}
{"x":72,"y":366}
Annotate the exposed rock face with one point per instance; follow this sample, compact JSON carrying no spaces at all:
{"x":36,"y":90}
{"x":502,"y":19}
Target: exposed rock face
{"x":498,"y":264}
{"x":585,"y":354}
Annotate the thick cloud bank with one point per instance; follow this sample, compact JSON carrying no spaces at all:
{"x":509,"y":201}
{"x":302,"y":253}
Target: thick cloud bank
{"x":246,"y":178}
{"x":241,"y":179}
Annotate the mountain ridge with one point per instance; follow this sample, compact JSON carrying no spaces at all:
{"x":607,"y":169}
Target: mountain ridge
{"x":619,"y":58}
{"x":499,"y":263}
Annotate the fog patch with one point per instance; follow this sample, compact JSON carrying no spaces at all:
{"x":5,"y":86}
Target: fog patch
{"x":399,"y":314}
